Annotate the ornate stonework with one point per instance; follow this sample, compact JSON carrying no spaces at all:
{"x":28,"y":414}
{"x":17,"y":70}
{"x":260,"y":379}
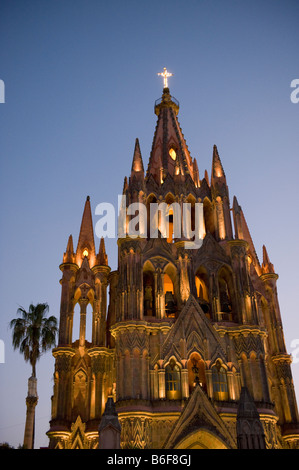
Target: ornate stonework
{"x":183,"y":329}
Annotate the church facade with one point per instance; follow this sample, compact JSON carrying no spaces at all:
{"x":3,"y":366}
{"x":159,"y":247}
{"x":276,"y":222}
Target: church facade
{"x":188,"y":342}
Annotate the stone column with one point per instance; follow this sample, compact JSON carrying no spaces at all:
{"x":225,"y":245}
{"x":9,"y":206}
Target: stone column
{"x":161,"y":376}
{"x":185,"y":383}
{"x":83,"y":304}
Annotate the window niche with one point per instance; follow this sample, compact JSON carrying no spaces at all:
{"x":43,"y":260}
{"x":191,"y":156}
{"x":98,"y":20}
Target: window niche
{"x":170,"y":301}
{"x":219,"y":379}
{"x":149,"y":294}
{"x":202,"y":290}
{"x":196,"y":372}
{"x":226,"y":300}
{"x":173,"y":381}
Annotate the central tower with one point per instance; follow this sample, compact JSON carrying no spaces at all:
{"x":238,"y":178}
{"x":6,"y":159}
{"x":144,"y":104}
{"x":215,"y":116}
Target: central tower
{"x":185,"y":330}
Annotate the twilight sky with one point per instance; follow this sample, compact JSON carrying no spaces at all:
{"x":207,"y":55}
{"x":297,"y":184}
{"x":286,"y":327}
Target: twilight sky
{"x":80,"y":84}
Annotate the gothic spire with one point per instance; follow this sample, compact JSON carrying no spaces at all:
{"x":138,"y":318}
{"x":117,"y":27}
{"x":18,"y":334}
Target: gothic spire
{"x":267,"y":266}
{"x":86,"y":246}
{"x":137,"y":164}
{"x":217,"y":173}
{"x":242,"y":231}
{"x":102,"y":258}
{"x":196,"y":173}
{"x":250,"y":431}
{"x":207,"y":177}
{"x":68,"y":256}
{"x":169,"y":153}
{"x":237,"y":211}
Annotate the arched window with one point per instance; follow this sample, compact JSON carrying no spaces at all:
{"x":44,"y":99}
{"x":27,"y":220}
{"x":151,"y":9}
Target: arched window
{"x":196,"y":372}
{"x":201,"y":284}
{"x":173,"y":381}
{"x":170,"y":302}
{"x":219,"y":379}
{"x":169,"y":217}
{"x":149,"y":294}
{"x":225,"y":300}
{"x":225,"y":295}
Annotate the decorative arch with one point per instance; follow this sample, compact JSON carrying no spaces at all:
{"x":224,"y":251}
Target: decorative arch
{"x":85,"y":292}
{"x":80,"y":389}
{"x":201,"y":439}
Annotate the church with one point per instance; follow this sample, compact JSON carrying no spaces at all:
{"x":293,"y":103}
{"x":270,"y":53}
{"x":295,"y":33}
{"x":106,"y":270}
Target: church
{"x":187,"y":345}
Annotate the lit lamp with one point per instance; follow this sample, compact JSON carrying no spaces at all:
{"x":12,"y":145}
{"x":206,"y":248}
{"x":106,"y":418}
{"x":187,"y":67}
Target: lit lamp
{"x":85,"y":253}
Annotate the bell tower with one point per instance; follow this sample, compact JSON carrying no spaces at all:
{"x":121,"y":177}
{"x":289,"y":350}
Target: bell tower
{"x":83,"y":376}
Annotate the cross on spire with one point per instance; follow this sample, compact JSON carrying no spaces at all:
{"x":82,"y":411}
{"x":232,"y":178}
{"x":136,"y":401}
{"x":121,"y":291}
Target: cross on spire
{"x":165,"y":76}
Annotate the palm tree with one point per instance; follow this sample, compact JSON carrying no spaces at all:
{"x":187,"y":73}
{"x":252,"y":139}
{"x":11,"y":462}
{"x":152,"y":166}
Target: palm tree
{"x":33,"y":334}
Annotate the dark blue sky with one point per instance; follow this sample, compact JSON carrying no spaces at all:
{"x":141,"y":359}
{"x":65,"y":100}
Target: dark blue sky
{"x":80,"y":85}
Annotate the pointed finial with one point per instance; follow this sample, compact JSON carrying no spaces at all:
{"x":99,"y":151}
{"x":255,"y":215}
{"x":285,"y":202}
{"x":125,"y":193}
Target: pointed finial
{"x":217,"y":168}
{"x":207,"y":177}
{"x":236,"y":206}
{"x":70,"y":246}
{"x":195,"y":173}
{"x":137,"y":164}
{"x":267,"y":266}
{"x":102,"y":257}
{"x":125,"y":186}
{"x":68,"y":256}
{"x":85,"y":246}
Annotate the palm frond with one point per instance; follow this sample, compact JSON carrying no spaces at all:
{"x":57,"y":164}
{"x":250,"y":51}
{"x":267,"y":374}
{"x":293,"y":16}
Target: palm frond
{"x":33,"y":333}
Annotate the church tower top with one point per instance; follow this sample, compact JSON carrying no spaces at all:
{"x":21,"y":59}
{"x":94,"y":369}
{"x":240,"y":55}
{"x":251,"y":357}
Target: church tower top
{"x":167,"y":101}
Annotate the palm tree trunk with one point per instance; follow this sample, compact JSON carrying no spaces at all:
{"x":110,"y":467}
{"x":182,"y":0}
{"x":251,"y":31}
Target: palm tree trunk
{"x":31,"y":402}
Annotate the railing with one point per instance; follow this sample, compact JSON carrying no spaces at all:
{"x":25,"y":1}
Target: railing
{"x":173,"y":99}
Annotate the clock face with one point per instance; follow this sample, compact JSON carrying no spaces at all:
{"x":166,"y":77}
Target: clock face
{"x":172,"y":153}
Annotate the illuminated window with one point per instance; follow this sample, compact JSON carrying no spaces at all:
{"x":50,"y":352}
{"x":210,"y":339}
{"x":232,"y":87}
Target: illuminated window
{"x":201,"y":289}
{"x":85,"y":253}
{"x":172,"y":153}
{"x":173,"y":381}
{"x":170,"y":227}
{"x":219,"y":382}
{"x":201,"y":283}
{"x":170,"y":303}
{"x":196,"y":372}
